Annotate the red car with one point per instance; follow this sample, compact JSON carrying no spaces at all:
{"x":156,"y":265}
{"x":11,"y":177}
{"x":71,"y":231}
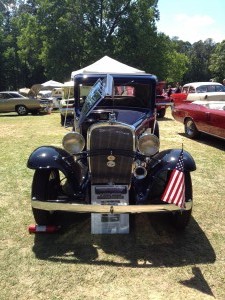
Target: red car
{"x":162,"y":99}
{"x":201,"y":116}
{"x":194,"y":91}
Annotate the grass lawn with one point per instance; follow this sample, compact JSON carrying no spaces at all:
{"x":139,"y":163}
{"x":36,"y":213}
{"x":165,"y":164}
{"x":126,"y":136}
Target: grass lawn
{"x":152,"y":262}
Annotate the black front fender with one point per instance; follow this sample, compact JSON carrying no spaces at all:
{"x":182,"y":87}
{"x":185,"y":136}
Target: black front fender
{"x":49,"y":157}
{"x":168,"y":160}
{"x":159,"y":169}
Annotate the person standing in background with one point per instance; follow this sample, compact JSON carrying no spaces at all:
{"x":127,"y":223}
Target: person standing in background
{"x":178,"y":88}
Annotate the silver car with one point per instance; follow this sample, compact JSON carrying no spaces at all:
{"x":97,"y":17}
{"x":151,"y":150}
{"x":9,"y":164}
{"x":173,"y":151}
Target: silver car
{"x":13,"y":101}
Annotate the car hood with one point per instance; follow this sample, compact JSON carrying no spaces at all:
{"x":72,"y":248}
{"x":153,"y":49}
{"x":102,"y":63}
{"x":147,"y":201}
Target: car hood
{"x":126,"y":116}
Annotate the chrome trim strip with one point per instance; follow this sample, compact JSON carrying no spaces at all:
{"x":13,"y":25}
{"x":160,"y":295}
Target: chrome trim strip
{"x":164,"y":104}
{"x":96,"y":208}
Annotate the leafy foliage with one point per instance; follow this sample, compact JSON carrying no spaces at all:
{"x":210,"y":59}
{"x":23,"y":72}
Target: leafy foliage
{"x":199,"y":61}
{"x":47,"y":39}
{"x":217,"y":62}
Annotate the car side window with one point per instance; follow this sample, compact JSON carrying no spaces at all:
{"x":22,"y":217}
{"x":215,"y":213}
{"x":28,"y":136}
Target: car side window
{"x":185,"y":90}
{"x":15,"y":95}
{"x":219,"y":88}
{"x":191,"y":89}
{"x":201,"y":89}
{"x":211,"y":88}
{"x":3,"y":96}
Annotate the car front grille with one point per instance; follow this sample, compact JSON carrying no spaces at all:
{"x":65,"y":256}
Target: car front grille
{"x":46,"y":101}
{"x":111,"y":153}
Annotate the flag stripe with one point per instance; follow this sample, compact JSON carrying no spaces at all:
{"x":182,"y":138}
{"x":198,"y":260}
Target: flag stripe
{"x":175,"y":189}
{"x":179,"y":189}
{"x":176,"y":185}
{"x":172,"y":184}
{"x":180,"y":192}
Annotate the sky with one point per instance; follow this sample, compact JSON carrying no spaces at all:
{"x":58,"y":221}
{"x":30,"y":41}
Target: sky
{"x":192,"y":20}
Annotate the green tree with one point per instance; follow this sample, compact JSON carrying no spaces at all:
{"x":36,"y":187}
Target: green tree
{"x":199,"y":61}
{"x":76,"y":33}
{"x":47,"y":39}
{"x":172,"y":63}
{"x":217,"y":62}
{"x":178,"y":66}
{"x":1,"y":52}
{"x":29,"y":50}
{"x":136,"y":38}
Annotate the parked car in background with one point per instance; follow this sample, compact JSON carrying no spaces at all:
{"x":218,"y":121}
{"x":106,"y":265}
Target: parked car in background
{"x":111,"y":164}
{"x":66,"y":108}
{"x":201,"y":116}
{"x":13,"y":101}
{"x":212,"y":91}
{"x":44,"y":94}
{"x":54,"y":95}
{"x":66,"y":105}
{"x":163,"y":101}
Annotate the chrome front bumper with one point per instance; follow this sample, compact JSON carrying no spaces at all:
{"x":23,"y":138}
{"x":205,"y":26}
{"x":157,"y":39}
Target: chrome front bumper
{"x":106,"y":209}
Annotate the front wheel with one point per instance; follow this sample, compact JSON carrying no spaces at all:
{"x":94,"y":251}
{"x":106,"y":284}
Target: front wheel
{"x":190,"y":129}
{"x":21,"y":110}
{"x":161,"y":113}
{"x":45,"y":186}
{"x":62,"y":120}
{"x":180,"y":219}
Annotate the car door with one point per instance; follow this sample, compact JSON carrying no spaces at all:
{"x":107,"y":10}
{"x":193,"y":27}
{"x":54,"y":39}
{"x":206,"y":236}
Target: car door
{"x":216,"y":122}
{"x":198,"y":113}
{"x":4,"y":102}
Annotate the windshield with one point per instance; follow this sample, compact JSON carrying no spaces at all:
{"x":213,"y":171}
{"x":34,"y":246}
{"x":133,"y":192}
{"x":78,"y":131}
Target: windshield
{"x":112,"y":92}
{"x":210,"y":88}
{"x":96,"y":94}
{"x":123,"y":95}
{"x":16,"y":95}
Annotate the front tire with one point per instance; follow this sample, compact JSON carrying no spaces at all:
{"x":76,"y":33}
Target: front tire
{"x":21,"y":110}
{"x":62,"y":120}
{"x":45,"y":186}
{"x":161,"y":113}
{"x":180,"y":219}
{"x":190,"y":129}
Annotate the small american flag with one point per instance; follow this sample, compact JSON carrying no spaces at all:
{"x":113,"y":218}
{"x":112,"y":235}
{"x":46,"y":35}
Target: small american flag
{"x":175,"y":189}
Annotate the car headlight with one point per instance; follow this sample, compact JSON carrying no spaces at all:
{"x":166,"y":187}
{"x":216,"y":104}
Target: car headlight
{"x":73,"y":142}
{"x":148,"y":144}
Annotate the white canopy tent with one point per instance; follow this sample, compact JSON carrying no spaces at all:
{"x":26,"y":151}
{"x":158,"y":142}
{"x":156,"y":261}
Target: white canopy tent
{"x":51,"y":84}
{"x":68,"y":89}
{"x":68,"y":83}
{"x":107,"y":65}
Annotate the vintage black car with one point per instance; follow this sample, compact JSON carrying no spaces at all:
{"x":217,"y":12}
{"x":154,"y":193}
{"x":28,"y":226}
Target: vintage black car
{"x":111,"y":162}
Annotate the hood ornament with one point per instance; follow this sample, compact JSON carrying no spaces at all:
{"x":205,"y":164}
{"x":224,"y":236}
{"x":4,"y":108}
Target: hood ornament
{"x":112,"y":117}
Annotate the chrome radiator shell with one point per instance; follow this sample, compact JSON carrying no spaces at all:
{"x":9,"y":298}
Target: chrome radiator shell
{"x":111,"y":146}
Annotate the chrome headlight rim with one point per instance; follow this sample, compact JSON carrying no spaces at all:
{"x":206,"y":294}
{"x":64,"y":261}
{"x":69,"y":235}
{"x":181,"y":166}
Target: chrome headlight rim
{"x":73,"y":142}
{"x":148,"y":144}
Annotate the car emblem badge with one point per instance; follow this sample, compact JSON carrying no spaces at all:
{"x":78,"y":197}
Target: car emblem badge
{"x":111,"y":164}
{"x":111,"y":157}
